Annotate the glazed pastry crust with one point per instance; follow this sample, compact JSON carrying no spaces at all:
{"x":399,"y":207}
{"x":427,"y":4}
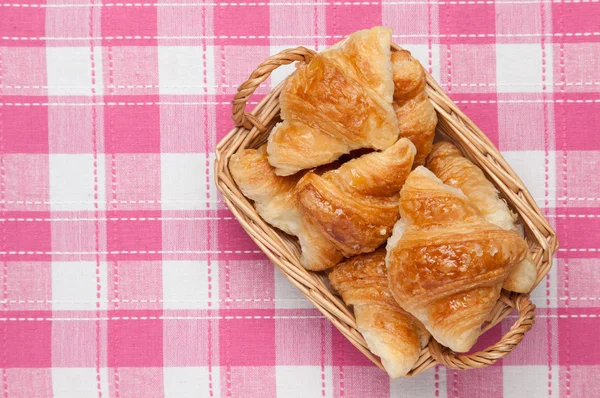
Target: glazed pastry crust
{"x":446,"y":263}
{"x":390,"y":332}
{"x":340,"y":101}
{"x":447,"y":162}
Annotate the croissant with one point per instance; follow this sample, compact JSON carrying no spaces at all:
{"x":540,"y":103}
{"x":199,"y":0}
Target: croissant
{"x":447,"y":162}
{"x":390,"y":332}
{"x":446,"y":263}
{"x":339,"y":101}
{"x":355,"y":206}
{"x":416,"y":116}
{"x":275,"y":201}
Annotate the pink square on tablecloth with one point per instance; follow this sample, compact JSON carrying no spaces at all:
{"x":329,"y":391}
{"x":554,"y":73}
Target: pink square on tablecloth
{"x":29,"y":285}
{"x":576,"y":116}
{"x":80,"y":239}
{"x":582,"y":187}
{"x":288,"y":34}
{"x":79,"y":117}
{"x":234,"y":25}
{"x":360,"y":381}
{"x":577,"y":329}
{"x":23,"y":26}
{"x":248,"y":284}
{"x":16,"y":60}
{"x":482,"y":109}
{"x":130,"y":70}
{"x":395,"y":15}
{"x":344,"y":353}
{"x":191,"y":340}
{"x":24,"y":382}
{"x":247,"y":338}
{"x":579,"y":233}
{"x":198,"y":121}
{"x":75,"y":342}
{"x":580,"y":380}
{"x":580,"y":282}
{"x":136,"y":381}
{"x":134,"y":284}
{"x":132,"y":124}
{"x":343,"y":20}
{"x":27,"y":343}
{"x":575,"y":21}
{"x":533,"y":350}
{"x":486,"y":382}
{"x":134,"y":235}
{"x":234,"y":64}
{"x":134,"y":341}
{"x":250,"y":381}
{"x":576,"y":67}
{"x":521,"y":23}
{"x":190,"y":237}
{"x":194,"y":22}
{"x":69,"y":21}
{"x":121,"y":24}
{"x":295,"y":349}
{"x":525,"y":122}
{"x":469,"y":68}
{"x":133,"y":181}
{"x":26,"y":182}
{"x":25,"y":128}
{"x":27,"y":240}
{"x":234,"y":242}
{"x":467,"y":23}
{"x":223,"y":116}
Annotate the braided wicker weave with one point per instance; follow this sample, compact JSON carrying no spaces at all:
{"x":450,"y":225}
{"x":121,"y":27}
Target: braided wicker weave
{"x":252,"y":131}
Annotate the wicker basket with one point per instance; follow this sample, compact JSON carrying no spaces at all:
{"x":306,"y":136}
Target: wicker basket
{"x":283,"y":250}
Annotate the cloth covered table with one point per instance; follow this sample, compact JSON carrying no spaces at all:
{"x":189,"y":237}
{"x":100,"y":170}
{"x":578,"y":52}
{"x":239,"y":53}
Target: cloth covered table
{"x":122,"y":272}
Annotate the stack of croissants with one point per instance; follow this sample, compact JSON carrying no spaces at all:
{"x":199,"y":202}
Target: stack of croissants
{"x":411,"y":233}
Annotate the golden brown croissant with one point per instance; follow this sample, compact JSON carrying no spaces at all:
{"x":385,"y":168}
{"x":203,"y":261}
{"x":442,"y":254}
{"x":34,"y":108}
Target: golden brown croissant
{"x":276,"y":203}
{"x":446,"y":263}
{"x":339,"y":101}
{"x":356,"y":205}
{"x":416,"y":116}
{"x":390,"y":332}
{"x":447,"y":162}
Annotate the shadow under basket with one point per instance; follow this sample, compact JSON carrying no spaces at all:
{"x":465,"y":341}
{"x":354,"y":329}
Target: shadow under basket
{"x":253,"y":130}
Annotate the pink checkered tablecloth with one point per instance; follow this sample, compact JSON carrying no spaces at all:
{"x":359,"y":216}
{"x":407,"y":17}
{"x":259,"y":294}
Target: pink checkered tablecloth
{"x":122,"y":272}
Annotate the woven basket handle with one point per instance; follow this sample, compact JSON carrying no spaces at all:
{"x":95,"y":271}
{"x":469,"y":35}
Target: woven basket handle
{"x":260,"y":74}
{"x":491,"y":354}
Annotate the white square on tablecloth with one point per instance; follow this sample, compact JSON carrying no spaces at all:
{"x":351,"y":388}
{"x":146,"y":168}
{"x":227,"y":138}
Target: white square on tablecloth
{"x":287,"y":295}
{"x":531,"y":167}
{"x":186,"y":285}
{"x":423,"y":385}
{"x":519,"y":68}
{"x":70,"y":71}
{"x":303,"y":381}
{"x":530,"y":381}
{"x":72,"y":182}
{"x":546,"y":293}
{"x":78,"y":382}
{"x":421,"y":53}
{"x":186,"y":70}
{"x":75,"y":285}
{"x":184,"y":184}
{"x":191,"y":381}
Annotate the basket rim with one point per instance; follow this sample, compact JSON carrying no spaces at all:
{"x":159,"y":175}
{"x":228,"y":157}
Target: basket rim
{"x":252,"y":128}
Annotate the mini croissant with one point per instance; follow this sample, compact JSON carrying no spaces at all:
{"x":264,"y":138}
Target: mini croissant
{"x":416,"y":116}
{"x":447,"y":162}
{"x":446,"y":263}
{"x":339,"y":101}
{"x":390,"y":332}
{"x":355,"y":206}
{"x":275,"y":200}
